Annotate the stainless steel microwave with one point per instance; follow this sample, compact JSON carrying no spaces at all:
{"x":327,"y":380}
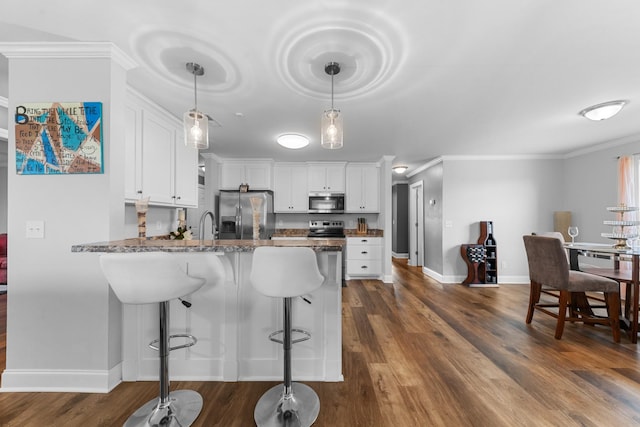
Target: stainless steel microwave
{"x":326,"y":202}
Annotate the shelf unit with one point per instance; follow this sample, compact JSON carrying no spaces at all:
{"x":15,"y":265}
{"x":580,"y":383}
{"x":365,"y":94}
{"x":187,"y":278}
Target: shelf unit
{"x":619,"y":234}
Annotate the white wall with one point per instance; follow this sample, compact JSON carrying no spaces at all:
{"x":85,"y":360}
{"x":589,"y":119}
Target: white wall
{"x":62,"y":317}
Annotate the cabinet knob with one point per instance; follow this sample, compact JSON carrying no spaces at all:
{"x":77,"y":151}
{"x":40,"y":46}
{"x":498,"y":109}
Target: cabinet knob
{"x":139,"y":191}
{"x":178,"y":197}
{"x":364,"y":252}
{"x":364,"y":266}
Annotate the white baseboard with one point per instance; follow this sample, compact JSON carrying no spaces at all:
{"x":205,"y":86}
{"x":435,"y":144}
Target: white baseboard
{"x":34,"y":380}
{"x":400,"y":255}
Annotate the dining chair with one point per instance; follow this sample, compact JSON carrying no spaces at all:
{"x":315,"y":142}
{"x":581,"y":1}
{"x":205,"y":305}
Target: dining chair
{"x":549,"y":268}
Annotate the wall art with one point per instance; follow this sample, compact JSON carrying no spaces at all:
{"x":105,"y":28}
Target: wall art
{"x":59,"y":138}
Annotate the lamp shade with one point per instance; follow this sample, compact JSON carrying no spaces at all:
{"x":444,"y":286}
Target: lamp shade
{"x":400,"y":169}
{"x":331,"y":129}
{"x":603,"y":111}
{"x":293,"y":141}
{"x":196,"y":130}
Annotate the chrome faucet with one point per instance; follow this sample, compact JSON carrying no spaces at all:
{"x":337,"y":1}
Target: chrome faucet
{"x":213,"y":225}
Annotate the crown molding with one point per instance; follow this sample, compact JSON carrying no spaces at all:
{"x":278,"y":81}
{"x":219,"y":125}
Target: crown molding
{"x":67,"y":50}
{"x":604,"y":146}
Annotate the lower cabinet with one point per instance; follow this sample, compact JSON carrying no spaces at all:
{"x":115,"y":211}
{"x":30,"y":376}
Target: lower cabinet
{"x":364,"y":256}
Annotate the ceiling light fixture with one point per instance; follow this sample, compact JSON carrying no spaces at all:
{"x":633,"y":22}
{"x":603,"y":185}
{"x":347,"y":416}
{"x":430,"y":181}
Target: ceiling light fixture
{"x":293,"y":141}
{"x":603,"y":111}
{"x":331,"y":119}
{"x":196,"y":124}
{"x":400,"y":169}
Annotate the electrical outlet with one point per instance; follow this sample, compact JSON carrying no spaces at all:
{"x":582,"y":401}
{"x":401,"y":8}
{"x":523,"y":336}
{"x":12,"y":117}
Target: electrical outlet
{"x":35,"y":229}
{"x":503,"y":264}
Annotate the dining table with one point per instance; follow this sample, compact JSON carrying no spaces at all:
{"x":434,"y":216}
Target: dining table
{"x":624,"y":268}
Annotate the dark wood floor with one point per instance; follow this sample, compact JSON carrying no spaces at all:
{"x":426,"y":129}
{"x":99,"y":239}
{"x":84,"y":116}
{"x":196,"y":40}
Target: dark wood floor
{"x":415,"y":353}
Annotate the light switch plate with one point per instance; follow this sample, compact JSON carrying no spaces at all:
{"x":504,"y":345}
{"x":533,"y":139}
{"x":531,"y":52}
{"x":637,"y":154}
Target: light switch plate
{"x":35,"y":230}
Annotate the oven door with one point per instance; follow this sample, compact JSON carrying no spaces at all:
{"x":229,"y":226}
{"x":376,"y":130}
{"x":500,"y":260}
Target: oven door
{"x":326,"y":203}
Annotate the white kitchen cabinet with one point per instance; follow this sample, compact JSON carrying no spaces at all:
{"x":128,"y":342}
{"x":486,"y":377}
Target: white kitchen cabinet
{"x":158,"y":165}
{"x":363,"y":188}
{"x":364,"y":256}
{"x":255,"y":173}
{"x":133,"y":153}
{"x":326,"y":177}
{"x":290,"y":188}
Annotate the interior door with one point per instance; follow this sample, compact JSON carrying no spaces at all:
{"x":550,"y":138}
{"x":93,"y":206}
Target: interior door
{"x":416,"y":225}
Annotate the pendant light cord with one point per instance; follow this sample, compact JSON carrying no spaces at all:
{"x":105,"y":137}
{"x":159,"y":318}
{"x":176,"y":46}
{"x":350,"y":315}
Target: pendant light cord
{"x":332,"y":89}
{"x":195,"y":90}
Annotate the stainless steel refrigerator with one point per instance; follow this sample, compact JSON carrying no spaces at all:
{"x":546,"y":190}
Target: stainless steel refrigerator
{"x":236,"y":214}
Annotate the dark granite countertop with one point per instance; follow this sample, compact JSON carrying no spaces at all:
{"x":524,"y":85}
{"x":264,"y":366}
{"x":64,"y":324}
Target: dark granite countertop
{"x":161,"y":245}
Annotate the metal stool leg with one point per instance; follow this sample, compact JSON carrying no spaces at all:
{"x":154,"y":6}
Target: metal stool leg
{"x":288,"y":404}
{"x":177,"y":409}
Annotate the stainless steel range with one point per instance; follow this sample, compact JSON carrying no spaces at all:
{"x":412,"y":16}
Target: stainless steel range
{"x":329,"y":230}
{"x":326,"y":229}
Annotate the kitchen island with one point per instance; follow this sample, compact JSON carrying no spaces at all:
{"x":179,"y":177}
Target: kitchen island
{"x":231,"y":320}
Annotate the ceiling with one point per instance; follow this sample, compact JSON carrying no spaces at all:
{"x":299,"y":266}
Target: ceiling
{"x":419,"y":79}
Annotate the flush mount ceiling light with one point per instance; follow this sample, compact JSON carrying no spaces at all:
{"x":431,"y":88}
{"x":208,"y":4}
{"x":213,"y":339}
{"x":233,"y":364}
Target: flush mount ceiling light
{"x":196,"y":124}
{"x":400,"y":169}
{"x":603,"y":111}
{"x":293,"y":141}
{"x":331,"y":119}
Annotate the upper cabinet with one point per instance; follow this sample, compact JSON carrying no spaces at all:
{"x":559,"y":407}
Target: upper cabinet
{"x":326,"y":177}
{"x":255,"y":173}
{"x":158,"y":165}
{"x":363,"y":188}
{"x":290,"y":188}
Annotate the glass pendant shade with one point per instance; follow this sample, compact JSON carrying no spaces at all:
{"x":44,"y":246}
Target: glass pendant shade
{"x":331,"y":129}
{"x":331,"y":137}
{"x":196,"y":124}
{"x":196,"y":130}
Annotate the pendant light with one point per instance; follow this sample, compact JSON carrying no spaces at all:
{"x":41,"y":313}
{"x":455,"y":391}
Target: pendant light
{"x":196,"y":124}
{"x":331,"y":119}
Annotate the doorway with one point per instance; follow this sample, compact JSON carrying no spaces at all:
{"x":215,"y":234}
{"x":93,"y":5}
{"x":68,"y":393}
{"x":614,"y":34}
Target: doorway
{"x":416,"y":224}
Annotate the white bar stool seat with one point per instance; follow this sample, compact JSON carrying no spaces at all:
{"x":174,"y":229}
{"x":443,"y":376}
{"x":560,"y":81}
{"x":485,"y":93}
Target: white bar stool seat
{"x":157,"y":277}
{"x":283,"y":272}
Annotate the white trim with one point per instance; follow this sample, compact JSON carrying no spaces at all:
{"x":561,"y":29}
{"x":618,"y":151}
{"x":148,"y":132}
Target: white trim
{"x":434,"y":275}
{"x":491,"y":157}
{"x":605,"y":145}
{"x":75,"y":381}
{"x":403,"y":255}
{"x":4,"y":103}
{"x":67,"y":50}
{"x":425,"y":166}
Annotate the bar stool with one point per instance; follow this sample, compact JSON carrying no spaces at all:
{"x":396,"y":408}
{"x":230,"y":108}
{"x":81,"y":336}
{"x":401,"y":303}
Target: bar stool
{"x":157,"y":277}
{"x":283,"y":272}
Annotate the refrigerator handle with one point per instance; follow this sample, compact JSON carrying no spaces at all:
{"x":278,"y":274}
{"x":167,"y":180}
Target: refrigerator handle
{"x":239,"y":222}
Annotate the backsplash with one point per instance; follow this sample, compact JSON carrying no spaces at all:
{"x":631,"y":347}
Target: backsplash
{"x":287,"y":220}
{"x":160,"y":221}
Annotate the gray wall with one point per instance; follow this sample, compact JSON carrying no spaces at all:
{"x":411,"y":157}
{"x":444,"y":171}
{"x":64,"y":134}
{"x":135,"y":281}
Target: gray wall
{"x":591,"y":185}
{"x":400,"y":214}
{"x":432,"y":179}
{"x":518,"y":194}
